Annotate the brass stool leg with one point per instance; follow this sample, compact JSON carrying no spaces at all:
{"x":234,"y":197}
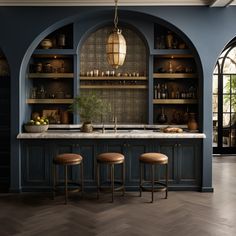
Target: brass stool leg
{"x":82,"y":178}
{"x":167,"y":176}
{"x":65,"y":176}
{"x":141,"y":178}
{"x":123,"y":178}
{"x":152,"y":181}
{"x":98,"y":179}
{"x":112,"y":182}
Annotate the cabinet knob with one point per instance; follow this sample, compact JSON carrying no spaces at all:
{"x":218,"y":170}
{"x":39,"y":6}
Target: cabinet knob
{"x":176,"y":145}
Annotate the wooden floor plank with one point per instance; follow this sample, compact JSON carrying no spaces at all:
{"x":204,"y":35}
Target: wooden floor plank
{"x":182,"y":214}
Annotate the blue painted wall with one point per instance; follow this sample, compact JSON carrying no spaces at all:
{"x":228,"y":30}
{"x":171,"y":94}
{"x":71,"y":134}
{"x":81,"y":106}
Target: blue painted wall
{"x":22,"y":28}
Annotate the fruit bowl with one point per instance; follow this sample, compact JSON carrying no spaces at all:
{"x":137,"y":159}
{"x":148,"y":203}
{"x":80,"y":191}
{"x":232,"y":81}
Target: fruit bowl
{"x":35,"y":128}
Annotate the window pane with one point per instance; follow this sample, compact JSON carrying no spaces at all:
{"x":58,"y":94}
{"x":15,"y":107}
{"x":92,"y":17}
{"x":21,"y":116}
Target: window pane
{"x":226,"y":103}
{"x":233,"y":83}
{"x":233,"y":103}
{"x":215,"y":103}
{"x":233,"y":138}
{"x":226,"y":84}
{"x":233,"y":120}
{"x":215,"y":84}
{"x":226,"y":119}
{"x":230,"y":62}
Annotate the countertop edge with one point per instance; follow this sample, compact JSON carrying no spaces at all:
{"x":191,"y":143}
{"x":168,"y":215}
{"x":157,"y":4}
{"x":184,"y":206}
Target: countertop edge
{"x":80,"y":135}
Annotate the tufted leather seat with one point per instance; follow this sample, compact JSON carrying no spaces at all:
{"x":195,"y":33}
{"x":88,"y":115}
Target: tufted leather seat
{"x":67,"y":159}
{"x":110,"y":157}
{"x":155,"y":158}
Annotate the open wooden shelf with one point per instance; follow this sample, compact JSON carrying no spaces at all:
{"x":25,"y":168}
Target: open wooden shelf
{"x":175,"y":101}
{"x":53,"y":52}
{"x":113,"y":86}
{"x":174,"y":75}
{"x":172,"y":53}
{"x":51,"y":75}
{"x":117,"y":78}
{"x":49,"y":101}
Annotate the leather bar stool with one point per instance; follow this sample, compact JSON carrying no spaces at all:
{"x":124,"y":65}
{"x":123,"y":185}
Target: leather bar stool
{"x":67,"y":159}
{"x":153,"y":159}
{"x":111,"y":159}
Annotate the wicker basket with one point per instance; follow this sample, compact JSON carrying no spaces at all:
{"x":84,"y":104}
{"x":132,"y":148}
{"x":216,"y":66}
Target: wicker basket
{"x":35,"y":128}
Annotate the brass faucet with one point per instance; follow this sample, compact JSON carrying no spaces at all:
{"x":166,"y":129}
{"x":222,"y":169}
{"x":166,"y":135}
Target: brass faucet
{"x":115,"y":124}
{"x":103,"y":128}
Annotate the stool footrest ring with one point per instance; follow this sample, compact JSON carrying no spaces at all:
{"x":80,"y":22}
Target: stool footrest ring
{"x":158,"y":186}
{"x":106,"y":186}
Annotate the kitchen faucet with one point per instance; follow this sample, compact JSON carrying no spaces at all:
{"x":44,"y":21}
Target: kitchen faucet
{"x":115,"y":123}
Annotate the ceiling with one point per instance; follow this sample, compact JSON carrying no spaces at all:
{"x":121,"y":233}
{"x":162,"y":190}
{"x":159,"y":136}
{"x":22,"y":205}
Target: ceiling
{"x":211,"y":3}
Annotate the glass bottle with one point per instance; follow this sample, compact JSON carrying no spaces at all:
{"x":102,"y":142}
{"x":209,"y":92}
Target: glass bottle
{"x":169,"y":40}
{"x":163,"y":94}
{"x":170,"y":70}
{"x":61,"y":40}
{"x":177,"y":94}
{"x":158,"y":91}
{"x":166,"y":91}
{"x":42,"y":92}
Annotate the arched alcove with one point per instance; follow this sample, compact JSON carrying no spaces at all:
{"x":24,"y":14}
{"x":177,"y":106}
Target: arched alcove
{"x":4,"y":122}
{"x":126,"y":88}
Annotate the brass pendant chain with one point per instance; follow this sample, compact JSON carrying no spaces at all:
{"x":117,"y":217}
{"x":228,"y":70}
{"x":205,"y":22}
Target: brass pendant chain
{"x":116,"y":16}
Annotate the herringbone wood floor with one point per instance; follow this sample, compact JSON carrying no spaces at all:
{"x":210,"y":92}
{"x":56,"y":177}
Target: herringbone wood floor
{"x":183,"y":213}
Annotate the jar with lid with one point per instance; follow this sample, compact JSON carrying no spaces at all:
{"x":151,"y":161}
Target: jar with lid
{"x":46,"y":43}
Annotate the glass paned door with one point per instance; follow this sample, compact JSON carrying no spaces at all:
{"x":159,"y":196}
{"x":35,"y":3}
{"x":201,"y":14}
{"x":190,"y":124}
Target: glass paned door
{"x":224,"y":102}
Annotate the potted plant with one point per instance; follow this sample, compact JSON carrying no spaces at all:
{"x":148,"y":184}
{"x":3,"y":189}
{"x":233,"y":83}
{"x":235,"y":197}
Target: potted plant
{"x":89,"y":106}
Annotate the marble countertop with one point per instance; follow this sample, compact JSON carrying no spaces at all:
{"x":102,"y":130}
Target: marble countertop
{"x":109,"y":134}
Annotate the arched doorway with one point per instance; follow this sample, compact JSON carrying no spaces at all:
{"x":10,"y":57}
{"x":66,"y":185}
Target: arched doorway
{"x":224,"y":101}
{"x":4,"y":123}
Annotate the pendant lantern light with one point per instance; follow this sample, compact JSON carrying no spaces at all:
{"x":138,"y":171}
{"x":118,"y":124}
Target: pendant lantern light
{"x":116,"y":45}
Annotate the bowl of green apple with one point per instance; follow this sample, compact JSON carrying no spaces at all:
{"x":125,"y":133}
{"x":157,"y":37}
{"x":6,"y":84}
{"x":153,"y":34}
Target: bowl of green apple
{"x":38,"y":125}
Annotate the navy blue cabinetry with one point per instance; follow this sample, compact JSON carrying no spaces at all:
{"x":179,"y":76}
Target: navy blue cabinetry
{"x":36,"y":164}
{"x":184,"y":161}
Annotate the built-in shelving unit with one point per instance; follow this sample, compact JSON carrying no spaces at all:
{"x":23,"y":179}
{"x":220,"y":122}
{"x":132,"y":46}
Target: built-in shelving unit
{"x":50,"y":78}
{"x":175,"y":78}
{"x":170,"y":86}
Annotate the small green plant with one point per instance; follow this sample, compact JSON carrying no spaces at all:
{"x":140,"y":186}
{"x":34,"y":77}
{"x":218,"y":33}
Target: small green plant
{"x":89,"y":106}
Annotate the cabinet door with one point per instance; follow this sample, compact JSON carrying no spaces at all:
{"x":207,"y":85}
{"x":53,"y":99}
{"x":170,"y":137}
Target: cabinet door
{"x":134,"y":150}
{"x":169,"y":148}
{"x":35,"y":164}
{"x":189,"y":167}
{"x":112,"y":146}
{"x":88,"y":150}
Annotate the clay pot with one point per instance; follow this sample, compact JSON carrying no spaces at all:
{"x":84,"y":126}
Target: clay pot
{"x":87,"y":127}
{"x":192,"y":123}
